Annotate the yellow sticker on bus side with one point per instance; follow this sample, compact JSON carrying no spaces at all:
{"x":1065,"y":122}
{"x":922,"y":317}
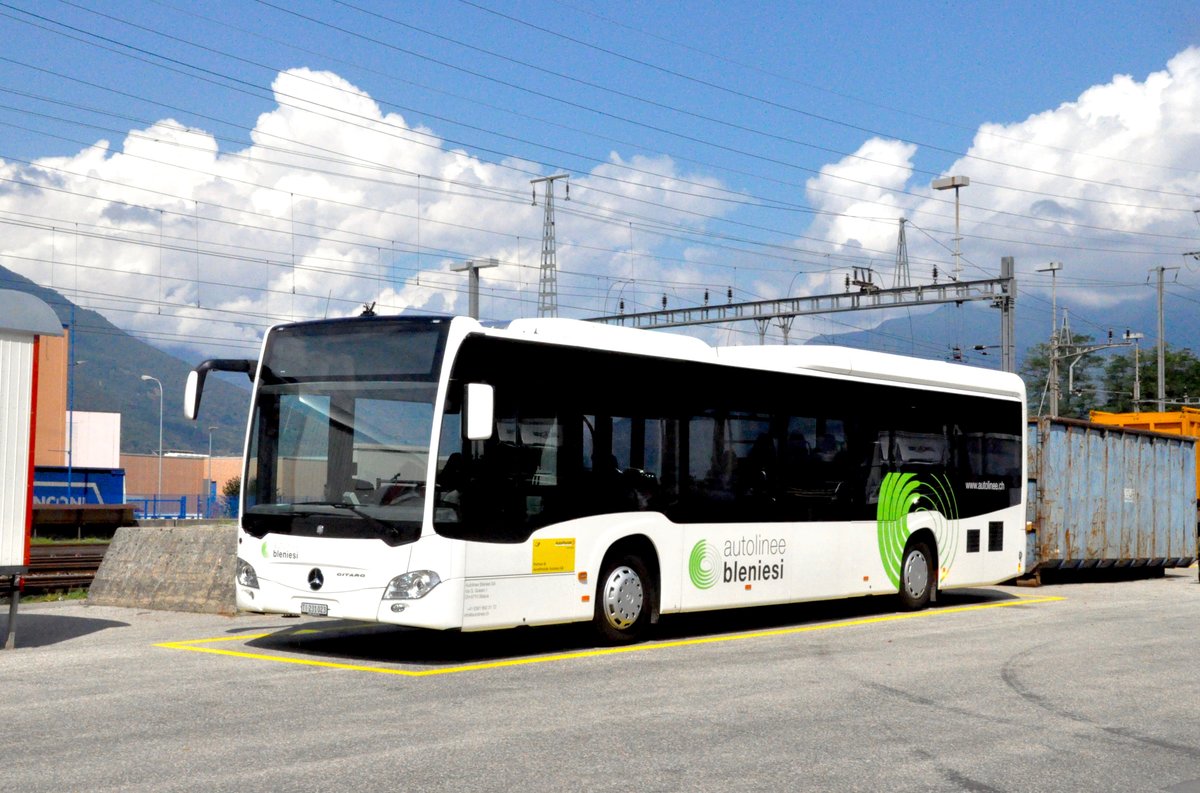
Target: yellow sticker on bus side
{"x":554,"y":555}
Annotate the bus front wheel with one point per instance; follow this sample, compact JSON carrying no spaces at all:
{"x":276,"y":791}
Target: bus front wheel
{"x":623,"y":600}
{"x":916,"y":577}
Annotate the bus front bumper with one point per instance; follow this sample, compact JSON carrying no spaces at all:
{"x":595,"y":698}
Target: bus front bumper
{"x":440,"y":609}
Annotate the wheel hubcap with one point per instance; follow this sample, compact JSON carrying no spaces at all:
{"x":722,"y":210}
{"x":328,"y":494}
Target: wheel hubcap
{"x":622,"y":598}
{"x":916,"y":574}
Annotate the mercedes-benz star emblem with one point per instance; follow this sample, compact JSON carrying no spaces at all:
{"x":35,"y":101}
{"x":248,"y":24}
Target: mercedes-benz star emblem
{"x":315,"y":578}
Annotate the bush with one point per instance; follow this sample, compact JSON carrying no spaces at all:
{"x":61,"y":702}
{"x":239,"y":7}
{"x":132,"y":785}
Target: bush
{"x":230,"y":493}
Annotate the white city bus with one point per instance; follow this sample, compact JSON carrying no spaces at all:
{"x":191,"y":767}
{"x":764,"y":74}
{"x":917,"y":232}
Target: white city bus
{"x":440,"y":473}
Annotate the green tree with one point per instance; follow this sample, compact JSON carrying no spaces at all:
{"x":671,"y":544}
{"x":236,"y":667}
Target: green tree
{"x":1181,"y":377}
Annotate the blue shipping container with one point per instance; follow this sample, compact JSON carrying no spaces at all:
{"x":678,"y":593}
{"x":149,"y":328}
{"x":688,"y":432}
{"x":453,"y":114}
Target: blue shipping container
{"x":1106,"y":496}
{"x":59,"y":485}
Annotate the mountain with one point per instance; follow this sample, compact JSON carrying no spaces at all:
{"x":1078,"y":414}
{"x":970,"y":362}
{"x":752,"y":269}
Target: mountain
{"x":111,"y":361}
{"x":934,"y":334}
{"x":107,"y":378}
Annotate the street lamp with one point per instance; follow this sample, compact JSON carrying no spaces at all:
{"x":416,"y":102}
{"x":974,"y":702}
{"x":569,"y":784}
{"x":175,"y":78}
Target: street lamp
{"x":1137,"y":375}
{"x":71,"y":364}
{"x":158,"y":493}
{"x":210,"y":432}
{"x":473,"y":266}
{"x":211,"y":490}
{"x":953,"y":183}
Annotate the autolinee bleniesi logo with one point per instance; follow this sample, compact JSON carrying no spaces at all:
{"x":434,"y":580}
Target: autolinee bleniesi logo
{"x":278,"y":554}
{"x":737,"y":561}
{"x":899,"y":496}
{"x":702,"y":565}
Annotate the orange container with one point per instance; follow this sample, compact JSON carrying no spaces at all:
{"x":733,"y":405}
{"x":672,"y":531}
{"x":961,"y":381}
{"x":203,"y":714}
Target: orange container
{"x":1185,"y":421}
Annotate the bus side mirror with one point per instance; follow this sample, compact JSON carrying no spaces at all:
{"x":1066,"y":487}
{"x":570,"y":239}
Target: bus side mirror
{"x":195,"y":382}
{"x":480,"y":410}
{"x":192,"y":392}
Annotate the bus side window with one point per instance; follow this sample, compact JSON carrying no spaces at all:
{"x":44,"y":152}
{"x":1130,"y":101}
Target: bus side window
{"x":817,"y":469}
{"x":589,"y":444}
{"x":625,"y":463}
{"x":711,"y":464}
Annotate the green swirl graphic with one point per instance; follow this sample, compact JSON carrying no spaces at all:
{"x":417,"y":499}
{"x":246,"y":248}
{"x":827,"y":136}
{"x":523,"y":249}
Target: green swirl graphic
{"x":899,"y":496}
{"x":702,"y":565}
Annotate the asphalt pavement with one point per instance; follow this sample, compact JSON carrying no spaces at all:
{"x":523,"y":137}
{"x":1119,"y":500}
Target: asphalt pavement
{"x":1058,"y":688}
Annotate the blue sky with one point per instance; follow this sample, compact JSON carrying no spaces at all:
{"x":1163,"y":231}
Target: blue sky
{"x":931,"y":72}
{"x":763,"y":147}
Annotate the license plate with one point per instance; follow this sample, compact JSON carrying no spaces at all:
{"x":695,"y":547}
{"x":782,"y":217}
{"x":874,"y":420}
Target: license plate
{"x":315,"y":609}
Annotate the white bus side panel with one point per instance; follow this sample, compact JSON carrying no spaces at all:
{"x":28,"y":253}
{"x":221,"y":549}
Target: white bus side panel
{"x":539,"y":581}
{"x":725,"y":566}
{"x":715,"y":566}
{"x":529,"y":583}
{"x":985,"y":566}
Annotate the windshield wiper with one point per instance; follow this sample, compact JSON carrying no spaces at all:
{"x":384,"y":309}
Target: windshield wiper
{"x":377,"y":523}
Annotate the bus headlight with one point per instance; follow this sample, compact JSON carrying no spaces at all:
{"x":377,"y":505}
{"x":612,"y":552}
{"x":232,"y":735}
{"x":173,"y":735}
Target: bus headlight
{"x":411,"y":586}
{"x":246,"y":575}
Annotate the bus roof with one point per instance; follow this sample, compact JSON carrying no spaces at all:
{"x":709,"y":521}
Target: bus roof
{"x":866,"y":364}
{"x":577,"y":333}
{"x":815,"y":359}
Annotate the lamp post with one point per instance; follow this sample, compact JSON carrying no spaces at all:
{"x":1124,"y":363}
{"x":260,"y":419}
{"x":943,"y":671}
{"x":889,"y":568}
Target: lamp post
{"x":211,"y":489}
{"x":473,"y":266}
{"x":955,"y":183}
{"x":71,"y":408}
{"x":158,"y":492}
{"x":1137,"y":374}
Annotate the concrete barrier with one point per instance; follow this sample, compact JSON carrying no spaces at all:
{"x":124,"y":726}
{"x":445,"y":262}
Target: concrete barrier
{"x":169,"y":568}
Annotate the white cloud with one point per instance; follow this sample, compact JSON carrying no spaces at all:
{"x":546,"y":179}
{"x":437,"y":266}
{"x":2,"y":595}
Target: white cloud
{"x":1128,"y":147}
{"x":322,"y":213}
{"x":862,"y":195}
{"x":1060,"y":185}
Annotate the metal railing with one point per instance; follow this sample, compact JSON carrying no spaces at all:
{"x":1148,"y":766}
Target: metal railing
{"x":181,"y":507}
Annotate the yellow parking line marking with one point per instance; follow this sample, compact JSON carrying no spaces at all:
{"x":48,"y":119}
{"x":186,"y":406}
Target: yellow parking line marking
{"x":203,"y":645}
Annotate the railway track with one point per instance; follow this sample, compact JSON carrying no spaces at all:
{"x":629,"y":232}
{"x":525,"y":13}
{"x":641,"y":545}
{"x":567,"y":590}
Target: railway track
{"x":62,"y":566}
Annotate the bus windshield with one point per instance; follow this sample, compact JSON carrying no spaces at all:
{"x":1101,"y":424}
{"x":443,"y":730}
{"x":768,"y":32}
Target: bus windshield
{"x":341,"y":429}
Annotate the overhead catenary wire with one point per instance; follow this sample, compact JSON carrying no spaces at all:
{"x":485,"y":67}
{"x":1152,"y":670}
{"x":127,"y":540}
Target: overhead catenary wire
{"x":723,"y":122}
{"x":599,"y":217}
{"x":1108,"y":248}
{"x":372,"y":39}
{"x":826,"y":89}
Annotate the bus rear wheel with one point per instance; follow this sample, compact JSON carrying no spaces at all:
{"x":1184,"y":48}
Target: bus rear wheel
{"x":623,"y":600}
{"x":916,"y":577}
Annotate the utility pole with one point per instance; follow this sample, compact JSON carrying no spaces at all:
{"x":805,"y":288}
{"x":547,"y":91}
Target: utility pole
{"x":548,"y":277}
{"x":1162,"y":341}
{"x":1069,"y":351}
{"x":1053,"y":268}
{"x":1006,"y":302}
{"x":473,"y":266}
